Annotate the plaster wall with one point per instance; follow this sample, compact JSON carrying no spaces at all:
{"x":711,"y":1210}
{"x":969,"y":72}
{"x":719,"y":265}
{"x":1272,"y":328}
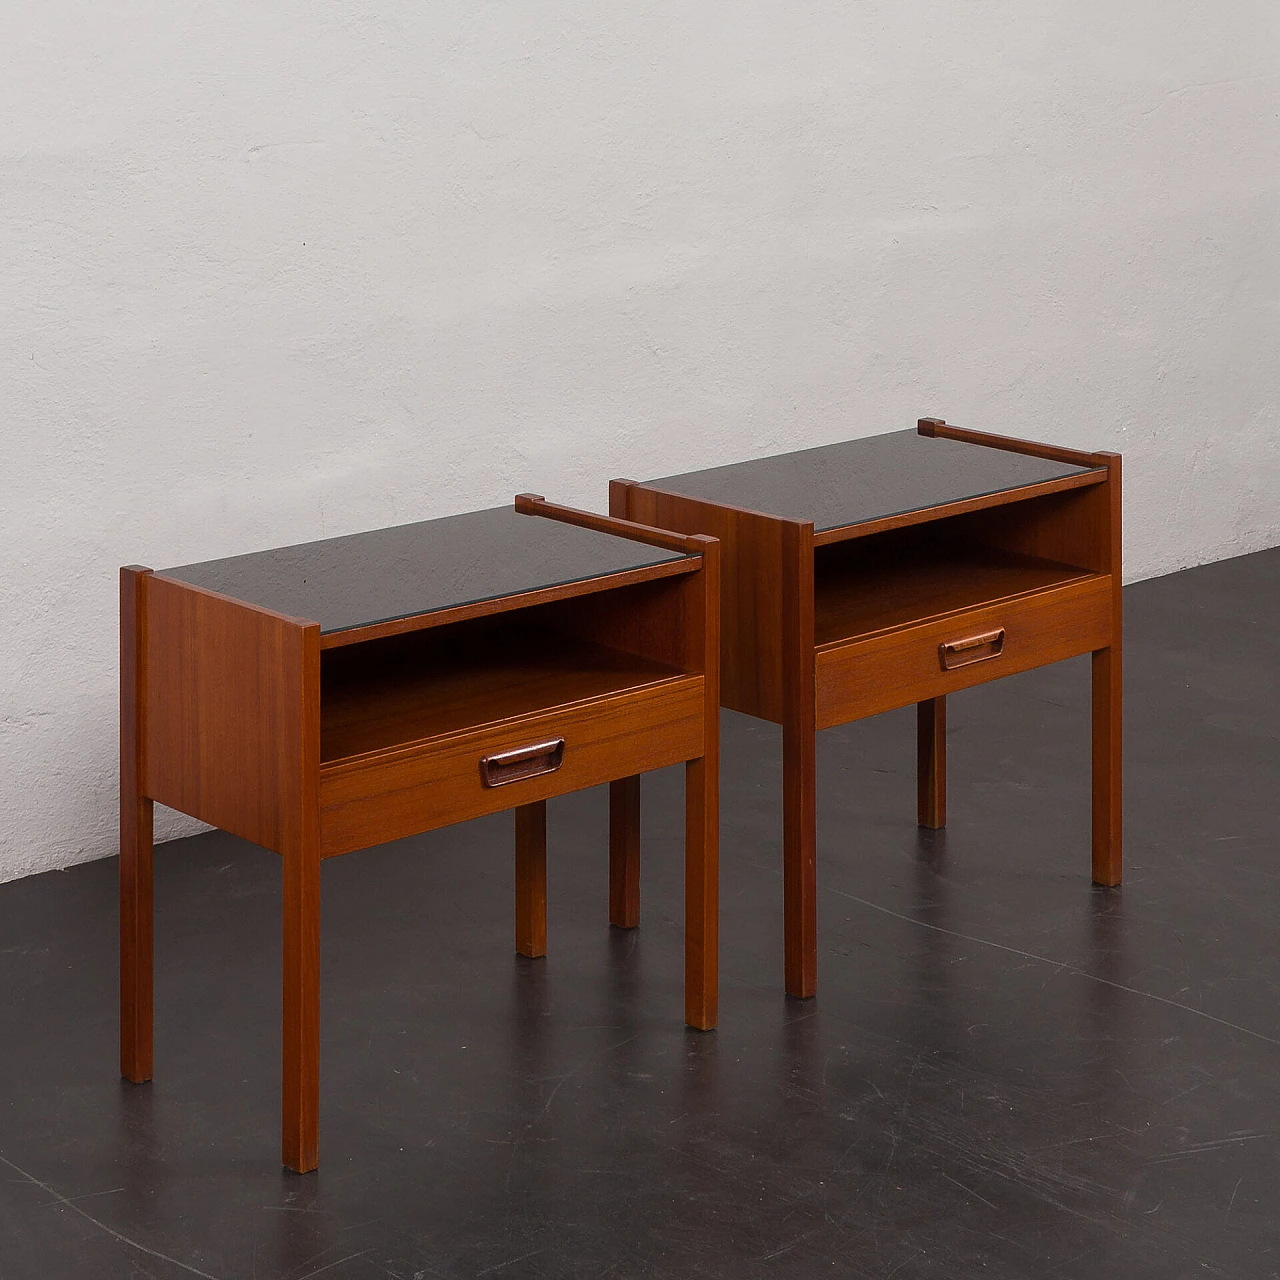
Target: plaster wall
{"x":270,"y":272}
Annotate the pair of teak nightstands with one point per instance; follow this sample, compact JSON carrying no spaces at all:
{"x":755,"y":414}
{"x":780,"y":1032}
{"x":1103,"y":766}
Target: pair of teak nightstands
{"x":323,"y":698}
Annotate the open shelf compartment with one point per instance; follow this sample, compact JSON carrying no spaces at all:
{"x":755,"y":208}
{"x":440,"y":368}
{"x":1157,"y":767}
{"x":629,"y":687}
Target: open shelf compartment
{"x":382,"y":695}
{"x":888,"y":581}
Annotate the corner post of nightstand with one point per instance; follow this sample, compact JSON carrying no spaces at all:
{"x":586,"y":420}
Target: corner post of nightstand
{"x":232,"y":731}
{"x":1099,"y":531}
{"x":1107,"y":709}
{"x":931,"y":723}
{"x":799,"y":761}
{"x":299,"y":827}
{"x":624,"y":796}
{"x":620,"y":499}
{"x":702,"y":810}
{"x":136,"y":834}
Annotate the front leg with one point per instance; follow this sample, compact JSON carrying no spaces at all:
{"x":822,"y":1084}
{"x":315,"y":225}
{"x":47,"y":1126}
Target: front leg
{"x":136,"y":839}
{"x":799,"y":856}
{"x":136,"y":947}
{"x":701,"y":892}
{"x":300,"y":1101}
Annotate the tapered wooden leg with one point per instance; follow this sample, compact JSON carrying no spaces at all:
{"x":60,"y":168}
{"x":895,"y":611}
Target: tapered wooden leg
{"x":531,"y":879}
{"x":1107,"y":766}
{"x":300,"y":1101}
{"x":136,"y":840}
{"x":701,"y":892}
{"x":931,"y":762}
{"x":799,"y":858}
{"x":624,"y":852}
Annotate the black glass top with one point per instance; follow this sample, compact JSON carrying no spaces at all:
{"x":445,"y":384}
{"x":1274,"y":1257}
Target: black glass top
{"x":364,"y":578}
{"x":861,"y":480}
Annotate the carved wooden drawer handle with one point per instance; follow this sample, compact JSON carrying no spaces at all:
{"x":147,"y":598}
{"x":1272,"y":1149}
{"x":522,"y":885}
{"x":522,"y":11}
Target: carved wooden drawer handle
{"x":523,"y":762}
{"x":960,"y":653}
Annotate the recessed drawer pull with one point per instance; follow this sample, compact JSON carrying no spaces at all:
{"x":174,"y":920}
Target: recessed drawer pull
{"x":960,"y":653}
{"x":523,"y":762}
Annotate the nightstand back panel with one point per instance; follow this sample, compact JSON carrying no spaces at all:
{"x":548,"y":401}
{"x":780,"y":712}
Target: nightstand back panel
{"x":1073,"y":527}
{"x":662,"y":621}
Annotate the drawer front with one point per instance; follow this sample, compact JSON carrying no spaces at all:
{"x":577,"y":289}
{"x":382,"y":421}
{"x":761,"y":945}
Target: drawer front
{"x":400,"y":793}
{"x":865,"y":677}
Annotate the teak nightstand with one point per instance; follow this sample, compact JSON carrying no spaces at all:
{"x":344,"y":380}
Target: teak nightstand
{"x":868,"y":575}
{"x":450,"y":669}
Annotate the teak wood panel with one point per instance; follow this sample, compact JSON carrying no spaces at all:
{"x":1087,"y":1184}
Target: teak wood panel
{"x":400,"y":793}
{"x":232,"y":736}
{"x":506,"y":604}
{"x":895,"y":668}
{"x":762,"y":558}
{"x":232,"y":697}
{"x":862,"y":595}
{"x":412,"y":692}
{"x":1072,"y":528}
{"x":925,"y":515}
{"x":660,"y":622}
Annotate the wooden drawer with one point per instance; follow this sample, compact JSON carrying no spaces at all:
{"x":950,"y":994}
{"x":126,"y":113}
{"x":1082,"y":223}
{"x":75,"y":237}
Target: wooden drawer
{"x":391,"y":794}
{"x":864,"y":676}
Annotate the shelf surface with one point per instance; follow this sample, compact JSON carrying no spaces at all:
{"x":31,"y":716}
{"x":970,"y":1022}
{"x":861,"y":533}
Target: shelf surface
{"x":425,"y":690}
{"x":860,"y":595}
{"x":387,"y":574}
{"x":870,"y":479}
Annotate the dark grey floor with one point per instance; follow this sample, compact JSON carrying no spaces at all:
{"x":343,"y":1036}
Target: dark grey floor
{"x":1006,"y":1073}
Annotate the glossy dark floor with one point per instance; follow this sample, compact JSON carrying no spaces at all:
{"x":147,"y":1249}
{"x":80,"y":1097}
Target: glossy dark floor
{"x":1006,"y":1073}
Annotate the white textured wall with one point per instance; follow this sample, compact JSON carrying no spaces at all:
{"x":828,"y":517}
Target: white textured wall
{"x":270,"y":271}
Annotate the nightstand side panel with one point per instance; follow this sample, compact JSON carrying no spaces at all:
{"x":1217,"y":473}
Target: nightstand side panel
{"x":754,"y":598}
{"x":232,"y":724}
